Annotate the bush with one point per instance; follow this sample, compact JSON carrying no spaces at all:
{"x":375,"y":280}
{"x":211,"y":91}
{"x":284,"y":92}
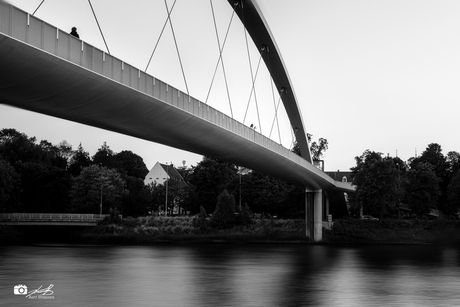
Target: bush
{"x":130,"y":222}
{"x":200,"y":221}
{"x":224,"y":215}
{"x":245,"y":216}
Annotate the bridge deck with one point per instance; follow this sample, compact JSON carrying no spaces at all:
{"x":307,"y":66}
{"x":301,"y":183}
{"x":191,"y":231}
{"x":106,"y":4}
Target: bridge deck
{"x":46,"y":70}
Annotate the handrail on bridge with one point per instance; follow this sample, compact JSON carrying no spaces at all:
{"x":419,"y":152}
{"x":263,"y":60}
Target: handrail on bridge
{"x":52,"y":216}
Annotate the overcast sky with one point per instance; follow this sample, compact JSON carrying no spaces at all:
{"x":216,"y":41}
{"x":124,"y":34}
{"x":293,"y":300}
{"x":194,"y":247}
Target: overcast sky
{"x":378,"y":75}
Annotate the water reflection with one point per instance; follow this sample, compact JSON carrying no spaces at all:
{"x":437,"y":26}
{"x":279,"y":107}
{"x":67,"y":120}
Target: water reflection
{"x":234,"y":275}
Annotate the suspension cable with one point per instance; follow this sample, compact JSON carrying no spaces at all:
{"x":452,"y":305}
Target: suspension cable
{"x":275,"y":118}
{"x":221,"y":59}
{"x":253,"y":90}
{"x":252,"y":74}
{"x":159,"y":38}
{"x":100,"y":30}
{"x":38,"y":7}
{"x":177,"y":47}
{"x":218,"y":60}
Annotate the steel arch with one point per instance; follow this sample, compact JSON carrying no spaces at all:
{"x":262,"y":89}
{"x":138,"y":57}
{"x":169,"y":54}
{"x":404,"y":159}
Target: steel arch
{"x":253,"y":20}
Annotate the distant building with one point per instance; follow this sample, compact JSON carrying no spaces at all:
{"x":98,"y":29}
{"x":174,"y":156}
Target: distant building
{"x":167,"y":174}
{"x":344,"y":208}
{"x":162,"y":172}
{"x":342,"y":176}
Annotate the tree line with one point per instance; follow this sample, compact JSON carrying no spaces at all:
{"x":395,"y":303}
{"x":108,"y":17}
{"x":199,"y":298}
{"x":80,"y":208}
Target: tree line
{"x":430,"y":181}
{"x":40,"y":177}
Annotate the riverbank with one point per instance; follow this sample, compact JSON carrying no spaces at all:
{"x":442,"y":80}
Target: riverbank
{"x":149,"y":230}
{"x":353,"y":231}
{"x":190,"y":230}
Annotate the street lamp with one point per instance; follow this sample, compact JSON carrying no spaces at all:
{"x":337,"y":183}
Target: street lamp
{"x":397,"y":186}
{"x":166,"y":198}
{"x":240,"y":170}
{"x":240,"y":191}
{"x":100,"y":207}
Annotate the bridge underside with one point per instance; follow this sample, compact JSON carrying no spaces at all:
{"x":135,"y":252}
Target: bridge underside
{"x":41,"y":82}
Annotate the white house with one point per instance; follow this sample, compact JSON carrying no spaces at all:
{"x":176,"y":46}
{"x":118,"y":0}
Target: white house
{"x":162,"y":172}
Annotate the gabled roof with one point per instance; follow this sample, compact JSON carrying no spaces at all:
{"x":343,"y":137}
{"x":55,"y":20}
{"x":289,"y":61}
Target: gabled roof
{"x":172,"y":172}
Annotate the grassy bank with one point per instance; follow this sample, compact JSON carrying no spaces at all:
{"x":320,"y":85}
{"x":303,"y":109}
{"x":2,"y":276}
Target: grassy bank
{"x":187,"y":229}
{"x":393,"y":232}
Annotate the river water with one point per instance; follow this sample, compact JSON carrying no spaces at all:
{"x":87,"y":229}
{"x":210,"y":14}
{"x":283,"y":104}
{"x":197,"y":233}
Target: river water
{"x":230,"y":275}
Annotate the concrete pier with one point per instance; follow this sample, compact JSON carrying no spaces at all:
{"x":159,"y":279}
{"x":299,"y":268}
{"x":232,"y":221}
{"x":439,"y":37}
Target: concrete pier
{"x":313,"y":214}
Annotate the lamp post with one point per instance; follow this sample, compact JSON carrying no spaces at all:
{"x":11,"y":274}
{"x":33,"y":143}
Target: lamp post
{"x":240,"y":170}
{"x":166,"y":198}
{"x":100,"y":206}
{"x":397,"y":187}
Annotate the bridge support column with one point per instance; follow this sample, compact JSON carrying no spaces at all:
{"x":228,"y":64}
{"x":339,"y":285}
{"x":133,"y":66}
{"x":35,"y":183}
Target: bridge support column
{"x":313,"y":214}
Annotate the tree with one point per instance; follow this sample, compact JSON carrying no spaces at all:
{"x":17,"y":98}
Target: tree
{"x":453,"y":160}
{"x":316,"y":149}
{"x":433,"y":156}
{"x":138,"y":199}
{"x":224,"y":214}
{"x":96,"y":182}
{"x":158,"y":192}
{"x":377,"y":183}
{"x":267,"y":194}
{"x":65,"y":151}
{"x":45,"y":187}
{"x":52,"y":154}
{"x":264,"y":194}
{"x":130,"y":164}
{"x":105,"y":157}
{"x":10,"y":190}
{"x":453,"y":195}
{"x":16,"y":146}
{"x":78,"y":161}
{"x":210,"y":177}
{"x":422,"y":190}
{"x":185,"y":172}
{"x":179,"y":194}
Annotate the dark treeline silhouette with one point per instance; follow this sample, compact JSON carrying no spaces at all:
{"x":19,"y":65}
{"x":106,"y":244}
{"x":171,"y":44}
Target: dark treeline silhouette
{"x":40,"y":177}
{"x":388,"y":186}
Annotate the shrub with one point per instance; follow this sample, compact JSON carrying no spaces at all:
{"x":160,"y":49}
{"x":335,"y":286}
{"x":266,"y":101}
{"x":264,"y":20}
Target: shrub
{"x":130,"y":222}
{"x":200,"y":221}
{"x":245,"y":216}
{"x":224,"y":215}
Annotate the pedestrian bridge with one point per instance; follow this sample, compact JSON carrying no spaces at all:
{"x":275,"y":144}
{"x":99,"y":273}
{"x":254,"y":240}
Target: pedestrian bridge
{"x":46,"y":70}
{"x":50,"y":219}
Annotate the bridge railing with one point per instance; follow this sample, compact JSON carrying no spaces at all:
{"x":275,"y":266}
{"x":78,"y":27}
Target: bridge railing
{"x":51,"y":217}
{"x":38,"y":33}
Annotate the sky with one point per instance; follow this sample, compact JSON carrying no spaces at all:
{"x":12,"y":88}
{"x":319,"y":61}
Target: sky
{"x":377,"y":75}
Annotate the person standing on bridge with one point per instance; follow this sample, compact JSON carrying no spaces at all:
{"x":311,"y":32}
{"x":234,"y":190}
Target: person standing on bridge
{"x":74,"y":32}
